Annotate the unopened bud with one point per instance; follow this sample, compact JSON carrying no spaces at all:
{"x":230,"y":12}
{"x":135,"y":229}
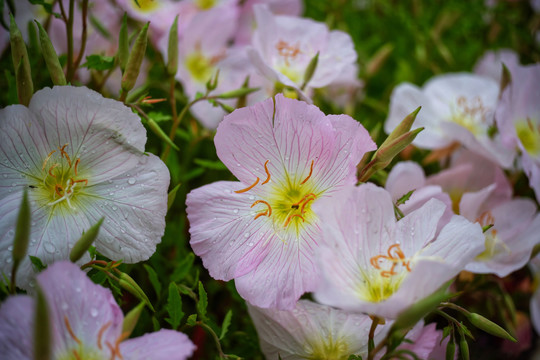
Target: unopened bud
{"x":172,"y":51}
{"x":310,"y":70}
{"x":156,"y":129}
{"x":135,"y":59}
{"x":127,"y":283}
{"x":131,"y":319}
{"x":488,"y":326}
{"x":123,"y":44}
{"x":42,"y":328}
{"x":51,"y":58}
{"x":21,"y":64}
{"x":83,"y":244}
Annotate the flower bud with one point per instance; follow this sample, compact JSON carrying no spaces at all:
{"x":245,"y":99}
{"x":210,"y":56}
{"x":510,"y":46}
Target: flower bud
{"x":123,"y":45}
{"x":127,"y":283}
{"x":51,"y":58}
{"x":488,"y":326}
{"x":130,"y":321}
{"x":19,"y":55}
{"x":310,"y":70}
{"x":83,"y":244}
{"x":42,"y":328}
{"x":172,"y":51}
{"x":135,"y":59}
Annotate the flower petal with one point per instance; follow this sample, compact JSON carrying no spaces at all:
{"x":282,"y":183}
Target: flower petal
{"x":88,"y":307}
{"x":162,"y":345}
{"x":16,"y":328}
{"x":134,"y":205}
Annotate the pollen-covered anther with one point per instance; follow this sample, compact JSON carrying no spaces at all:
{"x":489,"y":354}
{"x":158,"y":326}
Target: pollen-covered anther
{"x":52,"y":168}
{"x":268,"y":176}
{"x":307,"y":200}
{"x":65,"y":154}
{"x":47,"y":160}
{"x":395,"y":257}
{"x":292,"y":216}
{"x":59,"y":190}
{"x":287,"y":51}
{"x":85,"y":181}
{"x":70,"y":331}
{"x":267,"y":212}
{"x":486,"y":218}
{"x":101,"y":332}
{"x":248,"y":188}
{"x":309,"y":175}
{"x":75,"y":166}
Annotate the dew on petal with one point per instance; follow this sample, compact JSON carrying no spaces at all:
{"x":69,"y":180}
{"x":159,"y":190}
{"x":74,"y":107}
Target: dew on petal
{"x":131,"y":181}
{"x":49,"y":247}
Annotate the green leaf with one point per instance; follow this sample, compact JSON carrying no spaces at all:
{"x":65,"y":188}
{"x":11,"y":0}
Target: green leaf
{"x":160,"y":133}
{"x":225,"y":325}
{"x":153,"y":279}
{"x":83,"y":244}
{"x":405,"y":197}
{"x":42,"y":327}
{"x":159,"y":116}
{"x":183,"y":268}
{"x":174,"y":306}
{"x":171,"y":196}
{"x":192,"y":320}
{"x":209,"y":164}
{"x":46,"y":5}
{"x":99,"y":62}
{"x":38,"y":264}
{"x":202,"y":304}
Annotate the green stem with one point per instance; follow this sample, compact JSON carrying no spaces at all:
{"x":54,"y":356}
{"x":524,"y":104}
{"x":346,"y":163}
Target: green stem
{"x":371,"y":342}
{"x":83,"y":34}
{"x":455,"y":307}
{"x":216,"y":339}
{"x":69,"y":32}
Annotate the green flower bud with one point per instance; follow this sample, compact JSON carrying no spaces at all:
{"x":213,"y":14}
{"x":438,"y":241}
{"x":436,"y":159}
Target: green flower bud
{"x":51,"y":58}
{"x":127,"y":283}
{"x":123,"y":45}
{"x":488,"y":326}
{"x":83,"y":244}
{"x":130,"y":321}
{"x":172,"y":50}
{"x":135,"y":59}
{"x":19,"y":55}
{"x":42,"y":328}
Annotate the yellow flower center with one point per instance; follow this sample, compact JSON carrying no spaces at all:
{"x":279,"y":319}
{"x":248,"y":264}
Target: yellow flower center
{"x":289,"y":205}
{"x":200,"y":67}
{"x":206,"y":4}
{"x":529,"y":135}
{"x":61,"y":180}
{"x":145,"y":5}
{"x":386,"y":275}
{"x":328,"y":349}
{"x":471,"y":114}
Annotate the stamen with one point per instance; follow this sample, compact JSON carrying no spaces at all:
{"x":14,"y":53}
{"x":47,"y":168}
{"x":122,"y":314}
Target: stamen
{"x":111,"y":348}
{"x":269,"y":211}
{"x":310,"y":172}
{"x":267,"y":173}
{"x":289,"y":219}
{"x":85,"y":181}
{"x":265,"y":213}
{"x":101,"y":332}
{"x":76,"y":354}
{"x":302,"y":200}
{"x":76,"y":164}
{"x":311,"y":198}
{"x":121,"y":338}
{"x":398,"y":257}
{"x":486,"y":218}
{"x":47,"y":159}
{"x":64,"y":153}
{"x":51,"y":168}
{"x":248,"y":188}
{"x":70,"y":330}
{"x":58,"y":189}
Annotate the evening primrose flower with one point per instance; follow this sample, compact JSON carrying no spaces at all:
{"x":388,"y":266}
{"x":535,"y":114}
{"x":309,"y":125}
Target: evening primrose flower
{"x":86,"y":323}
{"x":81,"y":157}
{"x":262,"y":231}
{"x":373,"y":264}
{"x":283,"y":47}
{"x":456,"y":108}
{"x":518,"y":118}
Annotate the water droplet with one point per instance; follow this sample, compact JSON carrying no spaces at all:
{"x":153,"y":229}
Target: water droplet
{"x":32,"y":283}
{"x":238,"y":164}
{"x":131,"y":181}
{"x":114,"y":208}
{"x":93,"y":312}
{"x":235,"y":211}
{"x":246,"y":235}
{"x":111,"y":193}
{"x":64,"y":306}
{"x":251,"y":197}
{"x":49,"y":247}
{"x":250,"y":244}
{"x":8,"y":260}
{"x":10,"y":248}
{"x":5,"y":175}
{"x":123,"y":230}
{"x":78,"y":289}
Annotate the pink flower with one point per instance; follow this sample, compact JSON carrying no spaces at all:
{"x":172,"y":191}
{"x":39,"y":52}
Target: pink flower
{"x":518,"y":118}
{"x":283,"y":47}
{"x":455,"y":108}
{"x":312,"y":331}
{"x":261,"y":231}
{"x":86,"y":323}
{"x":81,"y":157}
{"x":490,"y":64}
{"x":374,"y":264}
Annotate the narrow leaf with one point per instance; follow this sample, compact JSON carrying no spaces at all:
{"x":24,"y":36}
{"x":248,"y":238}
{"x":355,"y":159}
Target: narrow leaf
{"x":225,"y":325}
{"x":153,"y":279}
{"x":202,"y":304}
{"x":174,"y":306}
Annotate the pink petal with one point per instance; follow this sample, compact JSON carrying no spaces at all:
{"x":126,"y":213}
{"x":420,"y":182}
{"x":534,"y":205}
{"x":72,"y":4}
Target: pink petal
{"x":16,"y":328}
{"x":161,"y":345}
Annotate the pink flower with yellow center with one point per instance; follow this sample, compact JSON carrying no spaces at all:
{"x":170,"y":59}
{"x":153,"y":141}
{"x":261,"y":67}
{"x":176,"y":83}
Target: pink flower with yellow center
{"x":374,"y":264}
{"x":81,"y":157}
{"x":86,"y":323}
{"x":262,"y":231}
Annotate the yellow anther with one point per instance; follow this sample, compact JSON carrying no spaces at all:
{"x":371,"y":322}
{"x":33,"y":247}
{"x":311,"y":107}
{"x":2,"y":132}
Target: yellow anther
{"x":248,"y":188}
{"x":100,"y":333}
{"x":267,"y":212}
{"x":292,"y":216}
{"x":47,"y":160}
{"x":309,"y":175}
{"x":268,"y":176}
{"x":70,"y":331}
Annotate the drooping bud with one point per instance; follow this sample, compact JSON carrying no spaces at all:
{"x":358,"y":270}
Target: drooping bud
{"x":127,"y":283}
{"x":135,"y":59}
{"x":156,"y":129}
{"x":213,"y":82}
{"x":450,"y":349}
{"x":488,"y":326}
{"x":51,"y":58}
{"x":172,"y":50}
{"x":21,"y":64}
{"x":83,"y":244}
